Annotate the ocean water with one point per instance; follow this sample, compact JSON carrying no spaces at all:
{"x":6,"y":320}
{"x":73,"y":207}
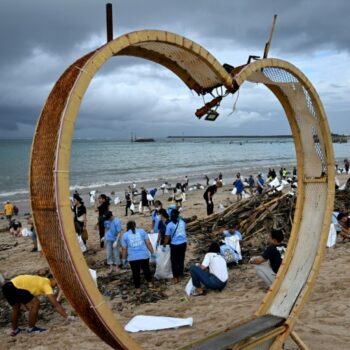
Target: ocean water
{"x":96,"y":164}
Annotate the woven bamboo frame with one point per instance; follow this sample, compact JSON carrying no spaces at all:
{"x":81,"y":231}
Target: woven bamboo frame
{"x":50,"y":161}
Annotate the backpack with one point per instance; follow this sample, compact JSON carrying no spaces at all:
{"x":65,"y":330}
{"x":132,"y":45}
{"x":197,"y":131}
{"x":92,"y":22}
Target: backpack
{"x":227,"y":253}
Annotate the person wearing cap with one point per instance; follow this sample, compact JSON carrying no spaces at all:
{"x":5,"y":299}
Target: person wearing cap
{"x":113,"y":229}
{"x":8,"y":210}
{"x":25,"y":289}
{"x":232,"y":230}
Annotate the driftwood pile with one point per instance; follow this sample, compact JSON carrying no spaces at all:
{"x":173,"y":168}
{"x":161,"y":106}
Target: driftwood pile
{"x":254,"y":218}
{"x":342,"y":199}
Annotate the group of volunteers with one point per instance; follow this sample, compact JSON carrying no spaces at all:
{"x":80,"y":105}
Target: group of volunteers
{"x":132,"y":247}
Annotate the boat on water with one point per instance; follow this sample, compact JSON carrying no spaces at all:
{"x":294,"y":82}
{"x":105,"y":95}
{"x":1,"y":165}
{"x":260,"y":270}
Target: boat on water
{"x":144,"y":140}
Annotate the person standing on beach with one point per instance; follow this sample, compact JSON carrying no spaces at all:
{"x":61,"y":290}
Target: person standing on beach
{"x":144,"y":201}
{"x":238,"y":183}
{"x":208,"y":197}
{"x":8,"y":210}
{"x":273,"y":254}
{"x":346,"y":165}
{"x":175,"y":234}
{"x":162,"y":224}
{"x":155,"y":215}
{"x":206,"y":179}
{"x":259,"y":183}
{"x":80,"y":220}
{"x":25,"y":290}
{"x":113,"y":229}
{"x":136,"y":247}
{"x":178,"y":195}
{"x":103,"y":207}
{"x":251,"y":184}
{"x":128,"y":203}
{"x":284,"y":173}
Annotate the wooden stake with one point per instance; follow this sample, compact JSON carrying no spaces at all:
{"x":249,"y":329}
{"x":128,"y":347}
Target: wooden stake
{"x":267,"y":45}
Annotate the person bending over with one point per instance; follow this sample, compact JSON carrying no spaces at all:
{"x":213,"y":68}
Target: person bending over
{"x":217,"y":276}
{"x":25,"y":289}
{"x":208,"y":196}
{"x":273,"y":254}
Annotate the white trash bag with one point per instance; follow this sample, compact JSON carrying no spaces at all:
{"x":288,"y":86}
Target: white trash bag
{"x":82,"y":244}
{"x":190,"y":288}
{"x":332,"y":236}
{"x":163,"y":268}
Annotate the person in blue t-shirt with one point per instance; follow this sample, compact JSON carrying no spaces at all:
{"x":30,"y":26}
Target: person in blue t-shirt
{"x":113,"y":229}
{"x":136,"y":247}
{"x":155,"y":215}
{"x":259,"y":183}
{"x":232,"y":230}
{"x":175,"y":233}
{"x":239,"y":186}
{"x":162,"y":224}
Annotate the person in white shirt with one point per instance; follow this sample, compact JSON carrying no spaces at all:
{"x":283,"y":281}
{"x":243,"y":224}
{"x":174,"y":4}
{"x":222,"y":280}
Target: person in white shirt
{"x":212,"y":273}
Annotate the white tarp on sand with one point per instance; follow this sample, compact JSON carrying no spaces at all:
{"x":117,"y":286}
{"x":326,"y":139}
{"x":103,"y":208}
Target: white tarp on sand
{"x":153,"y":323}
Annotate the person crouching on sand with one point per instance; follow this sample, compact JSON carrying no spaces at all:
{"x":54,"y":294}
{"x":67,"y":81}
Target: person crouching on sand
{"x":273,"y":254}
{"x":25,"y":289}
{"x":344,"y":223}
{"x":136,"y":247}
{"x":217,"y":276}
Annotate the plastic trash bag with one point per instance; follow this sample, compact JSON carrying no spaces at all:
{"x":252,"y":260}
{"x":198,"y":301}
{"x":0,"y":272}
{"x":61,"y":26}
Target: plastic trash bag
{"x":190,"y":288}
{"x":82,"y":245}
{"x":163,"y":268}
{"x":93,"y":274}
{"x":332,"y":236}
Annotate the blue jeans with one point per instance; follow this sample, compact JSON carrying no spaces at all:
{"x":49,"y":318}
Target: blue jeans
{"x":208,"y":279}
{"x":113,"y":254}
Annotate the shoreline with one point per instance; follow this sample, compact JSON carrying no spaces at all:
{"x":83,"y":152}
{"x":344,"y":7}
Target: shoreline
{"x":229,"y":173}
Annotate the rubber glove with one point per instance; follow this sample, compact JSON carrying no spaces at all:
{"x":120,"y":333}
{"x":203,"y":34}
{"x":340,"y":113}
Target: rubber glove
{"x":153,"y":257}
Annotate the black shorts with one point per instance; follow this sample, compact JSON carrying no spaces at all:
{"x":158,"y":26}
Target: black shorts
{"x":16,"y":296}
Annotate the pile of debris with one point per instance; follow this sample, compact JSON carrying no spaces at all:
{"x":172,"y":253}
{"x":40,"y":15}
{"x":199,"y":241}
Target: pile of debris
{"x":254,"y":217}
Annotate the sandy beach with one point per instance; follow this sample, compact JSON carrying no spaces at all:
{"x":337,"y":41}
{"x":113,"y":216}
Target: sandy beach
{"x":323,"y":323}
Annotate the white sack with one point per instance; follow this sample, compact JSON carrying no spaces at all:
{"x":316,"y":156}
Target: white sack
{"x":154,"y":323}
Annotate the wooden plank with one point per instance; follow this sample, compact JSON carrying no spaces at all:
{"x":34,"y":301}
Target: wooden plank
{"x":240,"y":335}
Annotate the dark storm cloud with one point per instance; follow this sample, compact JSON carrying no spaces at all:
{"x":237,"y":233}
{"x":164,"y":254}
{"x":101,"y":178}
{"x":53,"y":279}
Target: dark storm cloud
{"x":41,"y":38}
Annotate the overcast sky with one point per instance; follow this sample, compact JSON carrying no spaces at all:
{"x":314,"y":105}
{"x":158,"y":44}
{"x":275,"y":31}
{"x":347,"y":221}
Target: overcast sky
{"x":40,"y":39}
